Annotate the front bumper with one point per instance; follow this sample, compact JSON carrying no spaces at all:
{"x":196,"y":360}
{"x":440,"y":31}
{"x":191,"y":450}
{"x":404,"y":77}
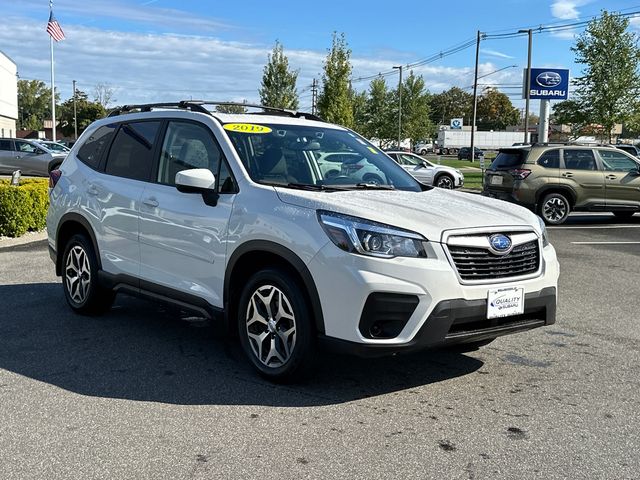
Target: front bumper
{"x":345,"y":282}
{"x":459,"y":321}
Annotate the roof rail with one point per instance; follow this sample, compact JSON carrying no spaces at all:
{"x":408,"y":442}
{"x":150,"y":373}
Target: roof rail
{"x":198,"y":106}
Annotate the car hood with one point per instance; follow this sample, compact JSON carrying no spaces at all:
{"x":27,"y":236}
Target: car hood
{"x":429,"y":213}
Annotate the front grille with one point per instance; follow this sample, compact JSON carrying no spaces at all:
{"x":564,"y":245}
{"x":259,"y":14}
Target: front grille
{"x":481,"y":264}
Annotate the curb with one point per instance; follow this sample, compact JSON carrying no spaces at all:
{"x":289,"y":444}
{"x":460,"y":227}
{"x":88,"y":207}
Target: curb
{"x":29,"y":237}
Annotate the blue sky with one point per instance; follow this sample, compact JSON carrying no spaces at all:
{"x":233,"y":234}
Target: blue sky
{"x":166,"y":49}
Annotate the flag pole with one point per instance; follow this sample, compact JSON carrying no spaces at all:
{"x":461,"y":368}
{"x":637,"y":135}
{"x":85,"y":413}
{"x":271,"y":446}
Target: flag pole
{"x":53,"y":84}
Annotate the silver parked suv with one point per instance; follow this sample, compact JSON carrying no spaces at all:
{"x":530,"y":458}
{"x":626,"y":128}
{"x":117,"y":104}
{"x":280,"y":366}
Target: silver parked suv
{"x":232,"y":216}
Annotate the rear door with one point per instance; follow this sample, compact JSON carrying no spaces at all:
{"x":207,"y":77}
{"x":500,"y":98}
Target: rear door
{"x":7,"y":156}
{"x":580,"y":171}
{"x":621,"y":178}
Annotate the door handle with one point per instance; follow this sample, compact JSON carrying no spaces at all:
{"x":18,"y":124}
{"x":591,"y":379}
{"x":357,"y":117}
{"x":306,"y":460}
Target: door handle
{"x":151,"y":202}
{"x":567,"y":175}
{"x":92,"y":190}
{"x":611,"y":177}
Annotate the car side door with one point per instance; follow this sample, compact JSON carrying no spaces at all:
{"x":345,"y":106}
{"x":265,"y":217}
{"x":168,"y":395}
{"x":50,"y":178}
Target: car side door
{"x":622,"y":178}
{"x":183,"y":236}
{"x":32,"y":160}
{"x":580,"y":171}
{"x":7,"y":156}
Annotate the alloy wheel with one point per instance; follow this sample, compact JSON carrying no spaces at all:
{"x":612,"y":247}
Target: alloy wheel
{"x":77,"y":274}
{"x":445,"y":182}
{"x":554,"y":209}
{"x":271,"y":326}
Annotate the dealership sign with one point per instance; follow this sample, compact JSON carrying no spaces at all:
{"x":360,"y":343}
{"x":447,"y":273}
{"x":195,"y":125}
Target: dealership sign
{"x":547,"y":84}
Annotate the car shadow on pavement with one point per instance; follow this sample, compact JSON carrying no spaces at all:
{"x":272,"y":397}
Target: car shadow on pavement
{"x":142,"y":351}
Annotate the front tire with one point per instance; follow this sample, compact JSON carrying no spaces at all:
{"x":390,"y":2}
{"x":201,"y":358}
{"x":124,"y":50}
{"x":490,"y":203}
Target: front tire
{"x":445,"y":181}
{"x":555,"y":209}
{"x":80,"y":278}
{"x":275,"y":326}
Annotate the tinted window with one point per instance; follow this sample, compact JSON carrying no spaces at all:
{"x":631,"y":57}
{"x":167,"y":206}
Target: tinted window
{"x":26,"y":147}
{"x":187,"y":145}
{"x":508,"y":159}
{"x":5,"y":145}
{"x":131,"y":154}
{"x":628,"y":148}
{"x":618,"y":162}
{"x":550,"y":159}
{"x":410,"y":160}
{"x":92,"y":149}
{"x":579,"y":160}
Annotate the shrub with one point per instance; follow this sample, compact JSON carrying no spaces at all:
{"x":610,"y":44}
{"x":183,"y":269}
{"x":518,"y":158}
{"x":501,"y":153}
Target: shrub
{"x":24,"y":207}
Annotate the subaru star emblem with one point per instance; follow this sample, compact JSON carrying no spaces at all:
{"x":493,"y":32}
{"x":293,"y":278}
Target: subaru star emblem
{"x":548,"y":79}
{"x":500,"y":243}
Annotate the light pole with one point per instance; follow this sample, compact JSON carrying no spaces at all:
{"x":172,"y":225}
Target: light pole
{"x":399,"y":67}
{"x":475,"y":101}
{"x":75,"y":113}
{"x":527,"y":83}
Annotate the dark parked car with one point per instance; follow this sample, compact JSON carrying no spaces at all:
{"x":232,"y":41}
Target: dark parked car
{"x":465,"y":153}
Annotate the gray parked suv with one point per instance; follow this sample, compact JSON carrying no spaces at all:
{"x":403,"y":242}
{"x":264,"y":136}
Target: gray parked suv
{"x":28,"y":156}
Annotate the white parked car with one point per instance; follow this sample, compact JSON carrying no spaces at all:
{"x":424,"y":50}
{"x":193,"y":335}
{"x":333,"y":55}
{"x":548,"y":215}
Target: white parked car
{"x":230,"y":216}
{"x":428,"y":173}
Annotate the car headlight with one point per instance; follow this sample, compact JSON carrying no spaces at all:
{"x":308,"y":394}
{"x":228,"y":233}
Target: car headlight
{"x":356,"y":235}
{"x":545,"y":237}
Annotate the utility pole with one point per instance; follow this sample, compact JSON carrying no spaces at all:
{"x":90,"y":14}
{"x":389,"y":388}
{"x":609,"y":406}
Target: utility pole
{"x":75,"y":112}
{"x":314,"y":96}
{"x":399,"y":67}
{"x":527,"y":82}
{"x":475,"y":100}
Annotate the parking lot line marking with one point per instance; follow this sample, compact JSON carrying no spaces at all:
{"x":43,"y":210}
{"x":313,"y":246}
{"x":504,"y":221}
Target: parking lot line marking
{"x":592,"y":227}
{"x":606,"y":243}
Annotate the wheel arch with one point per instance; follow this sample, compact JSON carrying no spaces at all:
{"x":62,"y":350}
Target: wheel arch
{"x":256,"y":254}
{"x":561,"y":189}
{"x":71,"y":224}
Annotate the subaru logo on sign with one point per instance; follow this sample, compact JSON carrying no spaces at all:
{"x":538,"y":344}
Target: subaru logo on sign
{"x":500,"y":243}
{"x":548,"y":79}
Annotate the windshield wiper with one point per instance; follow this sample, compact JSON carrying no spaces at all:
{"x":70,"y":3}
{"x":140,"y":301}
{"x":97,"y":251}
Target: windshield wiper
{"x":374,"y":186}
{"x":314,"y":187}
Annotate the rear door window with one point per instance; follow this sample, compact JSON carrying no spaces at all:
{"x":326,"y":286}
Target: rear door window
{"x":550,"y":159}
{"x":579,"y":159}
{"x":507,"y":159}
{"x":92,"y":149}
{"x":6,"y":145}
{"x":131,"y":155}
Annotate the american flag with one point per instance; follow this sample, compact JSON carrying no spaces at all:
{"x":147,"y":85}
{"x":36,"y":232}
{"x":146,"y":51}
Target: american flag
{"x":54,"y":29}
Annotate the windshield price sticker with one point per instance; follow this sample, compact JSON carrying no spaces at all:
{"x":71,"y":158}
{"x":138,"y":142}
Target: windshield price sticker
{"x":504,"y":302}
{"x":246,"y":128}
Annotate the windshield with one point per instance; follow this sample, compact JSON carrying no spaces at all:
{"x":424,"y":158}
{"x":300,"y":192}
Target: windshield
{"x":314,"y":157}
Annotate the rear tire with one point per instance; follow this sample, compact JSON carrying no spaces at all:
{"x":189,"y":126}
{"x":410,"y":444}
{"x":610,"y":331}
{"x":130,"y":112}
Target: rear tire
{"x":275,"y":326}
{"x":373,"y":179}
{"x":554,"y":209}
{"x":423,"y":152}
{"x":80,"y":278}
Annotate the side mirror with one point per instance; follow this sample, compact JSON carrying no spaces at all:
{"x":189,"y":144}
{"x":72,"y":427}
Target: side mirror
{"x":425,"y":164}
{"x":198,"y":180}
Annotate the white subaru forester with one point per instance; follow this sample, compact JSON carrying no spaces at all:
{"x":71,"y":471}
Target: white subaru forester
{"x":229,"y":215}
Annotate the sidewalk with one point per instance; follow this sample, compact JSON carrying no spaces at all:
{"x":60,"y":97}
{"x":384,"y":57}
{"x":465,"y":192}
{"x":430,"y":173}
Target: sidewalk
{"x":28,"y":237}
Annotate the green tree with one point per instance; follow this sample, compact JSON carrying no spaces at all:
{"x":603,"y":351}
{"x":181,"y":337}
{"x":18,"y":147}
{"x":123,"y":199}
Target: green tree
{"x":380,"y":121}
{"x":335,"y":100}
{"x":232,"y":108}
{"x":278,"y":82}
{"x":86,"y":110}
{"x":416,"y":124}
{"x":359,"y":104}
{"x":607,"y":92}
{"x":452,"y":103}
{"x":495,"y":111}
{"x":570,"y":113}
{"x":34,"y":104}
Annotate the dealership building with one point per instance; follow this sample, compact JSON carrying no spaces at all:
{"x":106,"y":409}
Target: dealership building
{"x":8,"y":96}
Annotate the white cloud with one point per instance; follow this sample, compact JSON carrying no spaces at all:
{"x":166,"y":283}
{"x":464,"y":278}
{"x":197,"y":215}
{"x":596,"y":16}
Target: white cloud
{"x":494,"y":53}
{"x":567,"y":9}
{"x":151,"y":67}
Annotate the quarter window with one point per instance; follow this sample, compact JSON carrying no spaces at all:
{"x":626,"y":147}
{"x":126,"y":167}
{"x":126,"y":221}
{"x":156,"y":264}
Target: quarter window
{"x":617,"y":162}
{"x":579,"y":160}
{"x":91,"y":151}
{"x":550,"y":159}
{"x":131,"y":154}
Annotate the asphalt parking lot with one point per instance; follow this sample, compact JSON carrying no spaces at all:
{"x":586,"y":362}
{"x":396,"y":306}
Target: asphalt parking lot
{"x":139,"y":393}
